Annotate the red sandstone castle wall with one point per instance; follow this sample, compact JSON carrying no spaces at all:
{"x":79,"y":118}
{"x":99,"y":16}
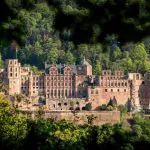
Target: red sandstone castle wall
{"x":103,"y":97}
{"x":100,"y":117}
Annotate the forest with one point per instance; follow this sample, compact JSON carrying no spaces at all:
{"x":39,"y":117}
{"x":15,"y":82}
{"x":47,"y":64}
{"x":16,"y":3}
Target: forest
{"x":19,"y":132}
{"x":115,"y":32}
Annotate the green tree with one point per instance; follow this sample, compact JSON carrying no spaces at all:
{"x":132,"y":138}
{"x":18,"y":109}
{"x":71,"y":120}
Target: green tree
{"x":1,"y":61}
{"x":53,"y":55}
{"x":13,"y":127}
{"x":69,"y":58}
{"x":116,"y":54}
{"x":98,"y":68}
{"x":103,"y":107}
{"x":138,"y":55}
{"x":88,"y":106}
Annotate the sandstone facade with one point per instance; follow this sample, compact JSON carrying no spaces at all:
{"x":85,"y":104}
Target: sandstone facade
{"x":62,"y":85}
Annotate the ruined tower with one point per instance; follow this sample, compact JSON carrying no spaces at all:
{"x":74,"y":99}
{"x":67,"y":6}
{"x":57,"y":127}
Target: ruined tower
{"x":13,"y":74}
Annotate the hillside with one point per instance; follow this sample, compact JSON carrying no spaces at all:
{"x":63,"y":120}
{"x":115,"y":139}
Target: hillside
{"x":116,"y":32}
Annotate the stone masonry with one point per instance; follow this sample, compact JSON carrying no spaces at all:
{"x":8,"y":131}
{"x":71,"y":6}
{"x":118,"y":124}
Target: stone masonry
{"x":73,"y":86}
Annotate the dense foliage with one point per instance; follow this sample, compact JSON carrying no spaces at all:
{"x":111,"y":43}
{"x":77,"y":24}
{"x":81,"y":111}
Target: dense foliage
{"x":115,"y":32}
{"x":19,"y":132}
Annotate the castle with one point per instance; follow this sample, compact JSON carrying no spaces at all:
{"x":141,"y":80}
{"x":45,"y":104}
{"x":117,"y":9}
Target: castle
{"x":65,"y":86}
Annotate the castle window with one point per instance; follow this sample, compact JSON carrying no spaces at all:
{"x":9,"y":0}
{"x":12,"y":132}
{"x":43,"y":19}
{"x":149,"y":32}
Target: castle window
{"x":96,"y":91}
{"x":16,"y":74}
{"x":118,"y":90}
{"x":112,"y":84}
{"x":137,"y":77}
{"x":125,"y":90}
{"x":119,"y":84}
{"x":10,"y":74}
{"x":111,"y":90}
{"x":122,"y":84}
{"x":10,"y":69}
{"x":65,"y":104}
{"x":106,"y":90}
{"x":126,"y":84}
{"x":55,"y":93}
{"x":92,"y":92}
{"x":143,"y":82}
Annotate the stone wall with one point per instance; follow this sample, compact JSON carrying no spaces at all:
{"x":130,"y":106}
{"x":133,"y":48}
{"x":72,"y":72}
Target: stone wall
{"x":100,"y":117}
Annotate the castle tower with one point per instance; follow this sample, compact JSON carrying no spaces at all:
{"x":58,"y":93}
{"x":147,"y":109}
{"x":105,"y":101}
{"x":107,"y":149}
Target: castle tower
{"x":136,"y":81}
{"x":13,"y":75}
{"x":87,"y":68}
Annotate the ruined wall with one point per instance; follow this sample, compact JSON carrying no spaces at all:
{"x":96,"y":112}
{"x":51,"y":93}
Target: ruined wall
{"x":101,"y":117}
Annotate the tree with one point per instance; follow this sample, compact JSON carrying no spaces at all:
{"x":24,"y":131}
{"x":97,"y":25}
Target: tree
{"x":123,"y":111}
{"x":112,"y":102}
{"x":53,"y":55}
{"x":69,"y":58}
{"x":116,"y":53}
{"x":88,"y":106}
{"x":138,"y":55}
{"x":98,"y":68}
{"x":103,"y":107}
{"x":1,"y":61}
{"x":13,"y":127}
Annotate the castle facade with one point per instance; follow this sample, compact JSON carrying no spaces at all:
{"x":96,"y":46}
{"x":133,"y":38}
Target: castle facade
{"x":62,"y":85}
